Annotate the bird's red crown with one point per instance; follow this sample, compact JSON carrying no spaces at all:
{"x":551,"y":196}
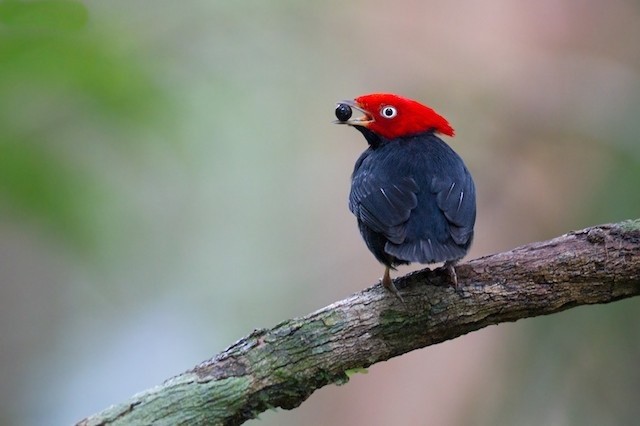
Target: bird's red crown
{"x":393,"y":116}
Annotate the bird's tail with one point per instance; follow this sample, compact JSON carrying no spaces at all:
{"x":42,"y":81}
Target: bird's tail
{"x":426,"y":251}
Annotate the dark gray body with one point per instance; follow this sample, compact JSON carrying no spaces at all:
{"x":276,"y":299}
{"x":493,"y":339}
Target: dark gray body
{"x":414,"y":199}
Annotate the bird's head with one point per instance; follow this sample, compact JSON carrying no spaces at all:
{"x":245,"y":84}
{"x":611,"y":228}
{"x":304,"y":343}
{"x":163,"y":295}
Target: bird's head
{"x":391,"y":116}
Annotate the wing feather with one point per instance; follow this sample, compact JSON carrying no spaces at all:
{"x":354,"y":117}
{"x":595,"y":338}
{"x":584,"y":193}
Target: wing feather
{"x":384,"y":207}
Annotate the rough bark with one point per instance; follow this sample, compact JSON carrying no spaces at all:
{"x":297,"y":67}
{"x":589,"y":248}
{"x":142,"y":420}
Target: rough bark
{"x":282,"y":366}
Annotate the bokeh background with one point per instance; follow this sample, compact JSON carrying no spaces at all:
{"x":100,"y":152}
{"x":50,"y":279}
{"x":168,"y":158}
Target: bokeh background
{"x":170,"y":180}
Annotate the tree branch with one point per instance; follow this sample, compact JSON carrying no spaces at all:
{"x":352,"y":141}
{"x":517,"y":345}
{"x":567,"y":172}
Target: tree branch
{"x":282,"y":366}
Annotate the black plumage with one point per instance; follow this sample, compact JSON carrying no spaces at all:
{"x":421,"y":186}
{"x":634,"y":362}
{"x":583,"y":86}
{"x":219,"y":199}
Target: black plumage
{"x":414,"y":199}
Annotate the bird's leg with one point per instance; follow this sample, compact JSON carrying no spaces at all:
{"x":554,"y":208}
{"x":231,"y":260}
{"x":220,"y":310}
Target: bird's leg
{"x":388,"y":284}
{"x":449,"y":266}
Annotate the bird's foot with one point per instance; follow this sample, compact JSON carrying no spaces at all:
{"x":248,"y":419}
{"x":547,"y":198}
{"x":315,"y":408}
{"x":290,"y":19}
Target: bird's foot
{"x":388,"y":284}
{"x":449,"y":267}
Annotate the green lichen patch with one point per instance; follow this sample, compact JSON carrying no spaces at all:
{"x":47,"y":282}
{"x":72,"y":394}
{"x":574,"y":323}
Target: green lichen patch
{"x":353,"y":371}
{"x":630,"y":225}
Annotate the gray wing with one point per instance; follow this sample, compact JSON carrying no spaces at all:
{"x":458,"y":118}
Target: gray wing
{"x":384,"y":207}
{"x":456,"y":197}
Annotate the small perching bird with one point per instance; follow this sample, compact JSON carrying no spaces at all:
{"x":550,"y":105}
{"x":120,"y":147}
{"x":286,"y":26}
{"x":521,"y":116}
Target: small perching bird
{"x":413,"y":196}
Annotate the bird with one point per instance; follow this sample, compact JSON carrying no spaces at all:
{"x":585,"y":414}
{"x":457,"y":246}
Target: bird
{"x":412,"y":194}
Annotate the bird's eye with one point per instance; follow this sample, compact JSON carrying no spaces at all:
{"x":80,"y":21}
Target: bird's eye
{"x":388,"y":112}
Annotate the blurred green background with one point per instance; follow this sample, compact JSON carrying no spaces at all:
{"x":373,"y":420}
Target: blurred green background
{"x":170,"y":180}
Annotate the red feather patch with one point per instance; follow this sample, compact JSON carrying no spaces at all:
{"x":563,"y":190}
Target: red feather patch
{"x":395,"y":116}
